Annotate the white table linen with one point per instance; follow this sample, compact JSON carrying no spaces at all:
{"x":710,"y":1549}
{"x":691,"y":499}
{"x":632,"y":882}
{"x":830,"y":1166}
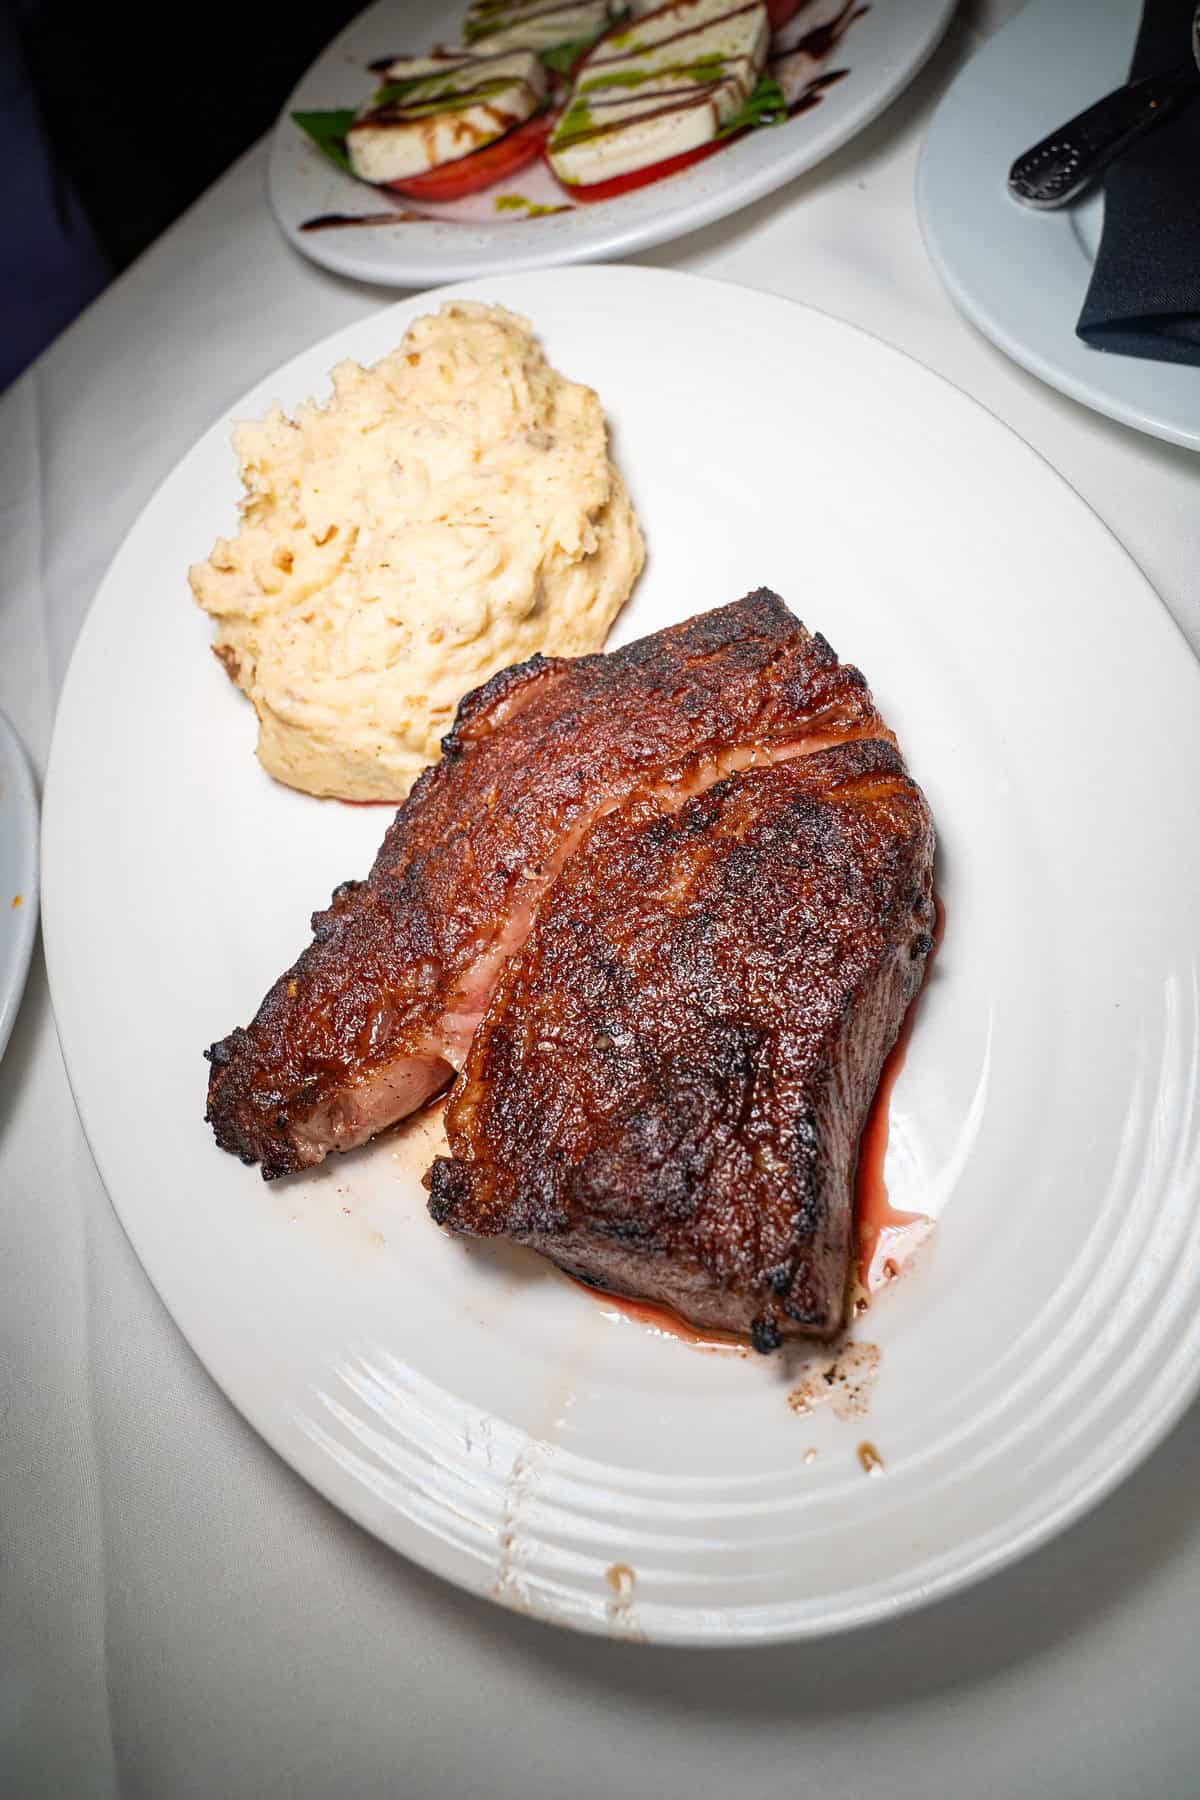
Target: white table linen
{"x":179,"y":1614}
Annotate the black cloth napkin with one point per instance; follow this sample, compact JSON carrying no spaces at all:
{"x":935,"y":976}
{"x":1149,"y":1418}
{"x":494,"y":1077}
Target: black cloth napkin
{"x":1144,"y":298}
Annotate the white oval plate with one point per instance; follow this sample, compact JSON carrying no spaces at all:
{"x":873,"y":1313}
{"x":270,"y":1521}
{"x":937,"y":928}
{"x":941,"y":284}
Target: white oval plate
{"x":1020,"y":275}
{"x":18,"y":874}
{"x":882,"y":50}
{"x":467,"y":1404}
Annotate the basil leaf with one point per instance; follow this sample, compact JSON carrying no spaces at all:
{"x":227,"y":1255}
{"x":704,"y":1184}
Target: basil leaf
{"x":766,"y":105}
{"x":562,"y":57}
{"x":328,"y":132}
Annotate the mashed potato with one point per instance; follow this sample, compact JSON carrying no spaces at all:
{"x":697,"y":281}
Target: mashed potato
{"x":451,"y":510}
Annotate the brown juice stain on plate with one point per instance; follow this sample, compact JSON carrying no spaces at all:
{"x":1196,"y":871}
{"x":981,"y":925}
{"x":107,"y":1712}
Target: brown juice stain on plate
{"x":662,"y":1320}
{"x":509,"y":1584}
{"x":844,"y":1383}
{"x":18,"y":900}
{"x":869,"y":1459}
{"x":622,"y":1581}
{"x":887,"y":1237}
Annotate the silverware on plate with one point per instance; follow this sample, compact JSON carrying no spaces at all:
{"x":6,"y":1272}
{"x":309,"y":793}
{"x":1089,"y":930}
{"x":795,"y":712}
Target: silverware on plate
{"x":1058,"y":168}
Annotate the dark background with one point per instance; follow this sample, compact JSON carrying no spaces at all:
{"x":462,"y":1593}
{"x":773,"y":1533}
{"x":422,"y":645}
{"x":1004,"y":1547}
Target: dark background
{"x":112,"y":121}
{"x":144,"y":109}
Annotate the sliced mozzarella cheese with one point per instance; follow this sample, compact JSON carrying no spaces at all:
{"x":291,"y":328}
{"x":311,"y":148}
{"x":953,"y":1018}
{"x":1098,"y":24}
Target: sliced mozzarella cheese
{"x":663,"y":86}
{"x":444,"y":115}
{"x":453,"y":72}
{"x":680,"y":33}
{"x":416,"y":68}
{"x":538,"y":25}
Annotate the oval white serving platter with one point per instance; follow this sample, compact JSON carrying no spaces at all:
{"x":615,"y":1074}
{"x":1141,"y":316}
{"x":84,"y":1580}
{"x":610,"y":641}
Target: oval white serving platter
{"x":881,"y":51}
{"x":471,"y":1407}
{"x":1019,"y":275}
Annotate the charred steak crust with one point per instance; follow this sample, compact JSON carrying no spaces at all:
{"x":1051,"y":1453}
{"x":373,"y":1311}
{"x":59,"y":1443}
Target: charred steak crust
{"x":667,"y":1091}
{"x":379,"y":1010}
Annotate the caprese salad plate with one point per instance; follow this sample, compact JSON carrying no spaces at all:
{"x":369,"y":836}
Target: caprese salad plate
{"x":421,"y":147}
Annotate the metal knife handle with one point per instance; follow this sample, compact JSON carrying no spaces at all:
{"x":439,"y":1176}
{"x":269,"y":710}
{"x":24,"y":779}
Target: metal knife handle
{"x":1058,"y":168}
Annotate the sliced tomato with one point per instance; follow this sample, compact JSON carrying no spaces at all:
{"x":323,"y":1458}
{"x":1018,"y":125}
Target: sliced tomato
{"x":470,"y":174}
{"x":780,"y":11}
{"x":625,"y":184}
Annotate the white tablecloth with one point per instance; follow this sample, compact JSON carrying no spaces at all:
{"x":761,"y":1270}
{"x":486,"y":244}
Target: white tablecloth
{"x":179,"y":1614}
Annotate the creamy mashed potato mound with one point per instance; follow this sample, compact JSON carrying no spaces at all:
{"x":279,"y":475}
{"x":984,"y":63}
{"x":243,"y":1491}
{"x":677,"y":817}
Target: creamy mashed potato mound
{"x":450,"y":511}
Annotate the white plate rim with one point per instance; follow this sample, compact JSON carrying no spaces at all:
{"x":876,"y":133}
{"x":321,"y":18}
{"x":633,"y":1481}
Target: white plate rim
{"x":18,"y":789}
{"x":608,"y":231}
{"x":1177,"y":1385}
